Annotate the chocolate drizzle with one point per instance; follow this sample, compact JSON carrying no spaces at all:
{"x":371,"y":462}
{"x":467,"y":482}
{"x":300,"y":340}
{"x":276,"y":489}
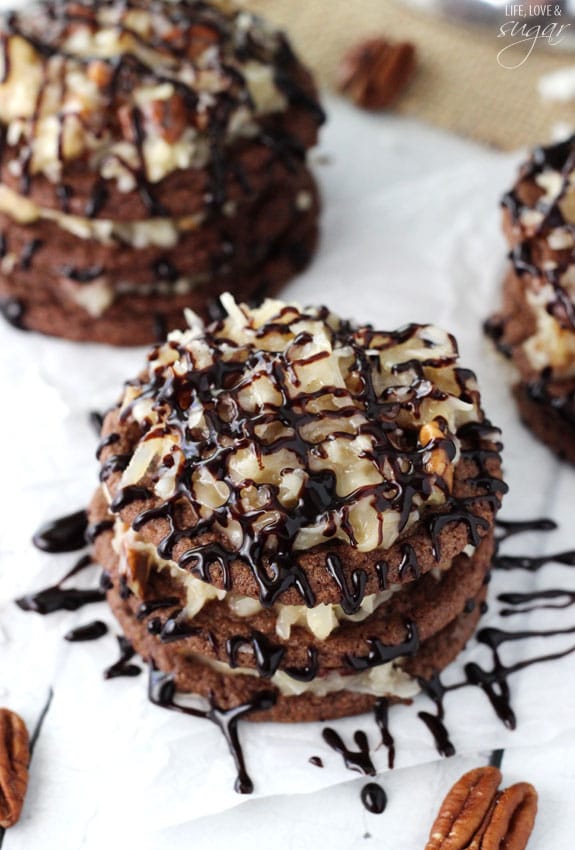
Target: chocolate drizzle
{"x":381,"y":715}
{"x":267,"y":656}
{"x":380,"y":653}
{"x":89,"y":631}
{"x":494,"y":681}
{"x":13,"y":312}
{"x":122,"y":667}
{"x":373,"y":798}
{"x":162,"y":692}
{"x":194,"y":536}
{"x":434,"y":722}
{"x":58,"y":598}
{"x":65,"y":534}
{"x":358,"y":760}
{"x":351,"y":597}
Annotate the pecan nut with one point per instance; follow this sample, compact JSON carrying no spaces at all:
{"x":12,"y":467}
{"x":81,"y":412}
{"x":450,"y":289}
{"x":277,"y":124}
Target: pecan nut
{"x":475,"y":815}
{"x":14,"y":759}
{"x":374,"y":72}
{"x":464,"y":809}
{"x":512,"y":819}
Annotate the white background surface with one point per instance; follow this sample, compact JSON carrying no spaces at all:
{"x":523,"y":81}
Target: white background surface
{"x":410,"y":233}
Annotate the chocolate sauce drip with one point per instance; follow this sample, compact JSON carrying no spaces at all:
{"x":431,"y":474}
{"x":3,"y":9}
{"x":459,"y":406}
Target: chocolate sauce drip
{"x":125,"y":591}
{"x":311,"y":669}
{"x":565,"y":597}
{"x":94,"y":530}
{"x":90,"y":631}
{"x":266,"y":655}
{"x":13,"y":312}
{"x":409,"y":562}
{"x":127,"y":495}
{"x":153,"y":605}
{"x":380,"y":653}
{"x":509,"y":528}
{"x":57,"y":598}
{"x":106,"y":582}
{"x":122,"y":667}
{"x":381,"y":569}
{"x":494,"y":682}
{"x":494,"y":329}
{"x":85,"y":275}
{"x":109,"y":440}
{"x":381,"y":715}
{"x":373,"y":798}
{"x":358,"y":760}
{"x":351,"y":597}
{"x":65,"y":534}
{"x":96,"y":420}
{"x":114,"y":463}
{"x":162,"y":692}
{"x":177,"y":628}
{"x":27,"y":255}
{"x":316,"y":761}
{"x":434,"y":689}
{"x":97,"y":199}
{"x":531,"y":563}
{"x":496,"y":758}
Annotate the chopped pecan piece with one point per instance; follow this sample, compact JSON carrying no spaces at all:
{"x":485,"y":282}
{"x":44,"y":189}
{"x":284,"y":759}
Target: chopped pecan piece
{"x":374,"y":72}
{"x":14,"y":759}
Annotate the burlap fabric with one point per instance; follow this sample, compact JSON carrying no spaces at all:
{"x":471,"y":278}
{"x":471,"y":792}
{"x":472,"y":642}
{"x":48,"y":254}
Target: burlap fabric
{"x":459,"y":84}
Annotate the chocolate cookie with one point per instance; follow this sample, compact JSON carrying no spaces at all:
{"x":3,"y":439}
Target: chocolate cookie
{"x":154,"y":155}
{"x":535,"y":328}
{"x":300,"y":504}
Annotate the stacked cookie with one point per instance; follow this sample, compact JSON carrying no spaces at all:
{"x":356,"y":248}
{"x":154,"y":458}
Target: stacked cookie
{"x":536,"y":326}
{"x":292,"y":503}
{"x":153,"y":155}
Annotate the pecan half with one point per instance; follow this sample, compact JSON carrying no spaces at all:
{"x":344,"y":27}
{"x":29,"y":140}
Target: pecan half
{"x":475,"y":815}
{"x":374,"y":72}
{"x":512,"y":820}
{"x":14,"y":759}
{"x":464,"y":809}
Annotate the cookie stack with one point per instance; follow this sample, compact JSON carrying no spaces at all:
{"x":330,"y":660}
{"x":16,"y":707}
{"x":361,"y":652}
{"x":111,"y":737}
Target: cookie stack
{"x":153,"y":155}
{"x":293,"y":503}
{"x":536,"y":325}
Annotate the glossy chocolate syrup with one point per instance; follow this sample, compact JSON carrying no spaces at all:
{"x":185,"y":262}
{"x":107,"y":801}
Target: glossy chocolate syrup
{"x":494,"y":680}
{"x":381,"y":716}
{"x":12,"y":311}
{"x":162,"y":692}
{"x":122,"y":667}
{"x":65,"y":534}
{"x":58,"y":598}
{"x":358,"y":760}
{"x":373,"y":798}
{"x":89,"y":631}
{"x":434,"y":722}
{"x":380,"y":653}
{"x":316,"y":761}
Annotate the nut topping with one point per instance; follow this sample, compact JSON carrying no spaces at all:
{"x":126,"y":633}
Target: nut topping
{"x":374,"y":72}
{"x":14,"y":759}
{"x":476,"y":816}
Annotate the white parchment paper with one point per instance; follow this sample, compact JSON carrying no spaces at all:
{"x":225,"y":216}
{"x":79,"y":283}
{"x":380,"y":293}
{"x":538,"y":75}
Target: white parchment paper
{"x":410,"y":233}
